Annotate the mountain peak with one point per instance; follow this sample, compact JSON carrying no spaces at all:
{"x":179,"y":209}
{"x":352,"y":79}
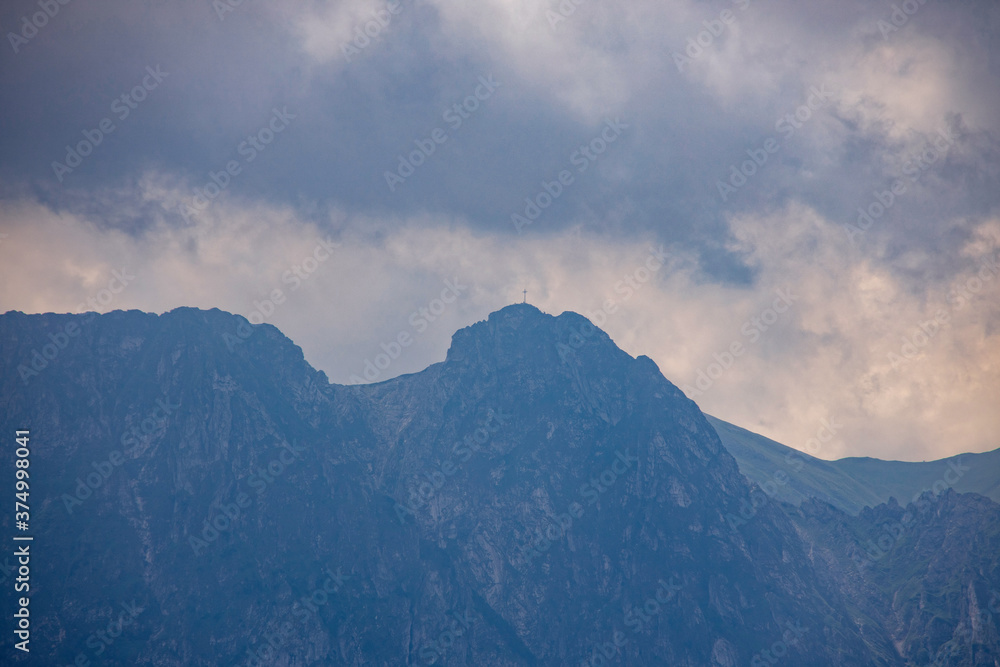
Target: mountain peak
{"x":535,"y":489}
{"x":521,"y":330}
{"x":516,"y":313}
{"x":522,"y":308}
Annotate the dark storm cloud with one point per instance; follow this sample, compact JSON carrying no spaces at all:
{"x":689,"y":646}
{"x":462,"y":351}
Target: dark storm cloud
{"x":353,"y":120}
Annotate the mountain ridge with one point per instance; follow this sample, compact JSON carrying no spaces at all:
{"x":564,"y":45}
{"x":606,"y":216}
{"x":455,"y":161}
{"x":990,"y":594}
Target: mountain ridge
{"x":853,"y":483}
{"x":564,"y":503}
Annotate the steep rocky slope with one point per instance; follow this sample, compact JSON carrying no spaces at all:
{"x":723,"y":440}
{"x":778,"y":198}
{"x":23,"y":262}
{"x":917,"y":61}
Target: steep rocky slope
{"x":925,"y":576}
{"x":202,"y":496}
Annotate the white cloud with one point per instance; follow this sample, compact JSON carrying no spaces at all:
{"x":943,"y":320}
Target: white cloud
{"x":326,"y":31}
{"x":825,"y":357}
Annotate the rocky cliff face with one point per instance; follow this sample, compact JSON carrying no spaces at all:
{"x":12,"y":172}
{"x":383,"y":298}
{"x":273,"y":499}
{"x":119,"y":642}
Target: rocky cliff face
{"x":922,"y":581}
{"x":202,"y":496}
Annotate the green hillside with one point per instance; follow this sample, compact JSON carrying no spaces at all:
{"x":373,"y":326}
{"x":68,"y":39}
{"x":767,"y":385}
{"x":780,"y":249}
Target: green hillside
{"x":852,"y":483}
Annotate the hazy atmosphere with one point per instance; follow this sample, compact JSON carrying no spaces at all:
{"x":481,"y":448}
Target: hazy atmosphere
{"x":792,"y":209}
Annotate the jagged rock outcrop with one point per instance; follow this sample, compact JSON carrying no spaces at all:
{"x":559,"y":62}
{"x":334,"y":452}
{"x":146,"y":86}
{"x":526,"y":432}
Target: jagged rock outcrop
{"x":922,"y":581}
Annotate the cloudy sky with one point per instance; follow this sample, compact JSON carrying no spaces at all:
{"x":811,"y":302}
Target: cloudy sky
{"x":816,"y":186}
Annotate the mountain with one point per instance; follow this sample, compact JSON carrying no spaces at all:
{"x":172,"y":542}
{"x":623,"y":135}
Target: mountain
{"x":927,"y":573}
{"x":857,"y":482}
{"x":200,"y":495}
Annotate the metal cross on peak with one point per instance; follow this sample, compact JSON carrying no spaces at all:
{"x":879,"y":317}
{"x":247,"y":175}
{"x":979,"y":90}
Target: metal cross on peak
{"x":525,"y":296}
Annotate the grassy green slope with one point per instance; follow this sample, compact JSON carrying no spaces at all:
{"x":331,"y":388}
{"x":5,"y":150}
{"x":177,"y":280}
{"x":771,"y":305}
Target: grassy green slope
{"x":851,"y":483}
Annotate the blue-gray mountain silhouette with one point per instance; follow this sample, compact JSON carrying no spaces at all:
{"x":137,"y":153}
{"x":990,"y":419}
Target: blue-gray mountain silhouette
{"x":539,"y":497}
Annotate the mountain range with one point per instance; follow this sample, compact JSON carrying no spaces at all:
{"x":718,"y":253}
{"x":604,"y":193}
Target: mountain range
{"x":853,"y":483}
{"x":202,"y":496}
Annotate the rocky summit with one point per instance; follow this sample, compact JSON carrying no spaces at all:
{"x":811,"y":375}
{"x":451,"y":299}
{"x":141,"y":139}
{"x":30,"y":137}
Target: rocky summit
{"x":203,"y":496}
